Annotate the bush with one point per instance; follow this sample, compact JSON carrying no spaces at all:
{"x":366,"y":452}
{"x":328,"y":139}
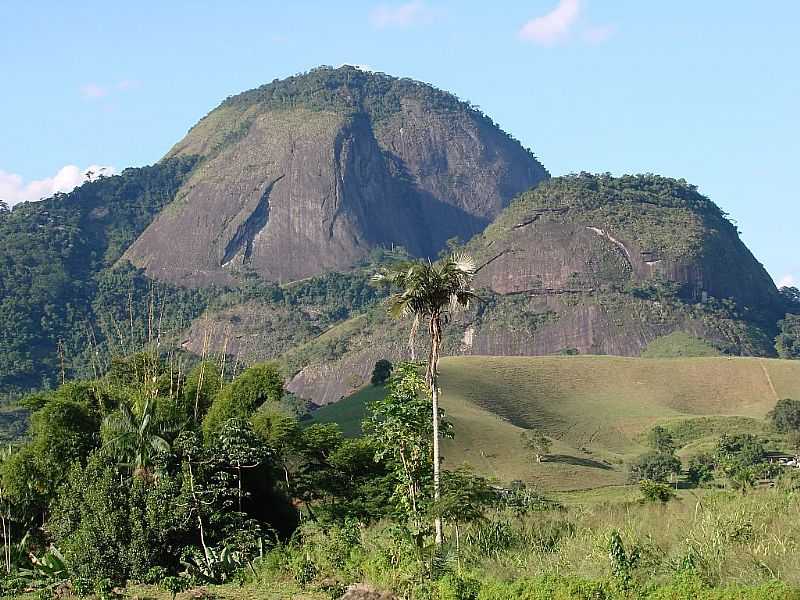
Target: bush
{"x":239,"y":400}
{"x":381,"y":372}
{"x":458,"y":587}
{"x":655,"y":466}
{"x":786,"y":415}
{"x":655,"y":492}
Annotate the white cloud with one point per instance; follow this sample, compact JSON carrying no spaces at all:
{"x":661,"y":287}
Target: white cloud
{"x":553,"y":27}
{"x":404,"y":15}
{"x":14,"y":190}
{"x":787,"y":281}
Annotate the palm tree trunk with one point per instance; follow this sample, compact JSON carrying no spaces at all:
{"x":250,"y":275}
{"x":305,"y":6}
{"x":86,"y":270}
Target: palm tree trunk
{"x":433,"y":376}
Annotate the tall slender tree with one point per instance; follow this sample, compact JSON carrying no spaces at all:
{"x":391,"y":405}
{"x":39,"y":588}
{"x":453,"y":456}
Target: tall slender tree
{"x":431,"y":292}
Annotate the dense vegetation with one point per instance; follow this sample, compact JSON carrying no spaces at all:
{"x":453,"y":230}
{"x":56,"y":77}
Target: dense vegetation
{"x":56,"y":279}
{"x":349,"y":89}
{"x":69,"y":302}
{"x":175,"y":477}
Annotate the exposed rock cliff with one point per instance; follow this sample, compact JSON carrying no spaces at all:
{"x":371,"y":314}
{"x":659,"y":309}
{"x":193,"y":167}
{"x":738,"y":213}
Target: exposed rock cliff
{"x":308,"y":174}
{"x":590,"y":265}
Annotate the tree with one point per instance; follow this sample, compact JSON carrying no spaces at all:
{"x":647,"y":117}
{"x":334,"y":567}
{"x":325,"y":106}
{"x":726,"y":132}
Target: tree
{"x":381,"y":372}
{"x":240,"y":447}
{"x":241,"y":398}
{"x":402,"y":429}
{"x":655,"y":466}
{"x":739,"y":458}
{"x":281,"y":432}
{"x":700,"y":469}
{"x":536,"y":443}
{"x":786,"y":415}
{"x":791,"y":297}
{"x":787,"y":343}
{"x":136,"y":436}
{"x":661,"y":440}
{"x":652,"y":491}
{"x":431,"y":292}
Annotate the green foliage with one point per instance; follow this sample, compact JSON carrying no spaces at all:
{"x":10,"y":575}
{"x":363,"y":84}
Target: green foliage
{"x":89,"y":521}
{"x":657,"y":288}
{"x":786,"y":415}
{"x":655,"y":466}
{"x":661,"y":440}
{"x":623,"y":560}
{"x":174,"y":585}
{"x":465,"y":496}
{"x":240,"y":399}
{"x":653,"y":491}
{"x":202,"y":385}
{"x":54,"y":256}
{"x":700,"y":469}
{"x":135,"y":436}
{"x":381,"y":372}
{"x":738,"y":457}
{"x":739,"y":449}
{"x":787,"y":344}
{"x":456,"y":587}
{"x":401,"y":426}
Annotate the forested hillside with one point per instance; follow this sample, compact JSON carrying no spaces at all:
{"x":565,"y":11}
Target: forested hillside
{"x":59,"y":292}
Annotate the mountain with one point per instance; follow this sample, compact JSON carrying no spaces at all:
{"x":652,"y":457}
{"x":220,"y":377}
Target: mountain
{"x":584,"y":264}
{"x":307,"y":175}
{"x":256,"y":235}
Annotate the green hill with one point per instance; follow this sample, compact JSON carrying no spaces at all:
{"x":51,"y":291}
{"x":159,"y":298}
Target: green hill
{"x":596,"y":408}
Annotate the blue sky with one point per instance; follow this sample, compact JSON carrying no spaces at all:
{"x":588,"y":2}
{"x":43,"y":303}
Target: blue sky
{"x":708,"y":91}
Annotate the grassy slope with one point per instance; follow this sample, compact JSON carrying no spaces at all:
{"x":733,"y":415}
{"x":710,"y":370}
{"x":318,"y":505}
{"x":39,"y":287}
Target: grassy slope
{"x":596,"y":408}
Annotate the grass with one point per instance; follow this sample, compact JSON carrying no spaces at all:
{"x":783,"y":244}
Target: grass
{"x":677,"y":344}
{"x":597,"y":409}
{"x":349,"y":411}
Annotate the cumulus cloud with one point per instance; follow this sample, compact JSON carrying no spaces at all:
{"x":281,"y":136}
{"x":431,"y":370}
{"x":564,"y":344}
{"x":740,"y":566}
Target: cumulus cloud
{"x":13,"y":189}
{"x":553,"y":27}
{"x":788,"y":281}
{"x":404,"y":15}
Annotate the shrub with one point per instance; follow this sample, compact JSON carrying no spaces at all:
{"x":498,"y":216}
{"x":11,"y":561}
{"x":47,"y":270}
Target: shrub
{"x":656,"y":466}
{"x":653,"y":491}
{"x":458,"y":587}
{"x":700,"y":469}
{"x":786,"y":415}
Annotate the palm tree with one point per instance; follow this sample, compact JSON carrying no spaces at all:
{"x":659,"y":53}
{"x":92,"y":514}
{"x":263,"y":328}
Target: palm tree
{"x":431,"y":292}
{"x":136,"y":437}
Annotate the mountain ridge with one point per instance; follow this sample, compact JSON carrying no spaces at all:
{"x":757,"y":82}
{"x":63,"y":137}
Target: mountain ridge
{"x":352,"y":160}
{"x":349,"y":169}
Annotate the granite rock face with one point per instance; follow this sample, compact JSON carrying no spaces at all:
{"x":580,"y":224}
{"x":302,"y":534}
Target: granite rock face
{"x":312,"y":182}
